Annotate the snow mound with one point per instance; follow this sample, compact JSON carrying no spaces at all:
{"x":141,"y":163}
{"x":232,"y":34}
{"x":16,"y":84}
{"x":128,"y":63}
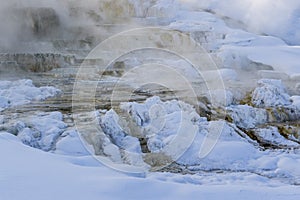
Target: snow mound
{"x":41,"y":131}
{"x":230,"y":150}
{"x":160,"y":121}
{"x":110,"y":125}
{"x":151,"y":127}
{"x":15,"y":93}
{"x":69,"y":143}
{"x":245,"y":116}
{"x":270,"y":93}
{"x":117,"y":143}
{"x":159,"y":124}
{"x":145,"y":128}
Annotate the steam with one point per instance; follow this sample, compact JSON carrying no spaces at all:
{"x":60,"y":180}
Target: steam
{"x":40,"y":20}
{"x":17,"y":19}
{"x":274,"y":17}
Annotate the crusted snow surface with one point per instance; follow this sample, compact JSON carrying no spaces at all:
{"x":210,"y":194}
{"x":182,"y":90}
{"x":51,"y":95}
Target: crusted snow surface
{"x":14,"y":93}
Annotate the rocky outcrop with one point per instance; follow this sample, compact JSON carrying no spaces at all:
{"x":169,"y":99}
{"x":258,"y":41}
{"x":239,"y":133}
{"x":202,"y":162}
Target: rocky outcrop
{"x":37,"y":62}
{"x":268,"y":114}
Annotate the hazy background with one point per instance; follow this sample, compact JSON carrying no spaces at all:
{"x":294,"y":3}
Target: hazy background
{"x":275,"y":17}
{"x":21,"y":20}
{"x":31,"y":20}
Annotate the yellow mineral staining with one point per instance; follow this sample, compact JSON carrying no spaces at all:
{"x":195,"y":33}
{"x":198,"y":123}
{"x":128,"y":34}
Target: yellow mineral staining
{"x":247,"y":100}
{"x":289,"y":131}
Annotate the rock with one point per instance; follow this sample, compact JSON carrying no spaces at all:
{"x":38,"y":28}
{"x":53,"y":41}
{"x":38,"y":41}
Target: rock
{"x":283,"y":114}
{"x":37,"y":62}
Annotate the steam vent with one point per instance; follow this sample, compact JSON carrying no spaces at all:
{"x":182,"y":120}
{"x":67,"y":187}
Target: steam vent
{"x":149,"y":99}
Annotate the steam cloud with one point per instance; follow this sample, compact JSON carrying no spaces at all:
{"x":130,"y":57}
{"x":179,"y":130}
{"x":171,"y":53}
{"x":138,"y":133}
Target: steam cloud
{"x":30,"y":20}
{"x":275,"y":17}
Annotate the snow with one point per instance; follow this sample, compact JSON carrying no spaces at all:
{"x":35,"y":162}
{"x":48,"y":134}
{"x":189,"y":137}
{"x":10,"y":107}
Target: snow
{"x":269,"y":74}
{"x":226,"y":74}
{"x":230,"y":149}
{"x":246,"y":116}
{"x":278,"y":57}
{"x":15,"y":93}
{"x":164,"y":125}
{"x":110,"y":126}
{"x":70,"y":144}
{"x":239,"y":48}
{"x":211,"y":145}
{"x":162,"y":121}
{"x":221,"y":97}
{"x":220,"y":160}
{"x":270,"y":93}
{"x":281,"y":58}
{"x":2,"y":119}
{"x":296,"y":101}
{"x":49,"y":176}
{"x":271,"y":135}
{"x":41,"y":131}
{"x":257,"y":16}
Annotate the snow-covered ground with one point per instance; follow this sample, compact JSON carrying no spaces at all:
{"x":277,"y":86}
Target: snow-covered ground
{"x":28,"y":173}
{"x":247,"y":146}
